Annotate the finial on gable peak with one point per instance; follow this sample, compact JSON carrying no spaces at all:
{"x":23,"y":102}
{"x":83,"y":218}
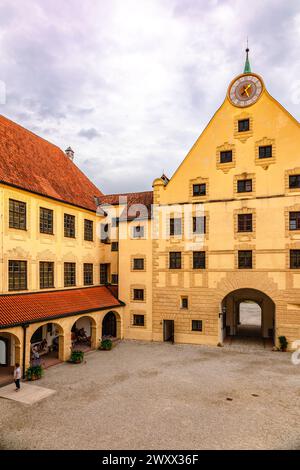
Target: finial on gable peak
{"x":247,"y":68}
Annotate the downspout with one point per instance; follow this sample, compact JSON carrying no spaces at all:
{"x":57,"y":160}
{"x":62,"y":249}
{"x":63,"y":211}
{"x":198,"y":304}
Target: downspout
{"x":25,"y":326}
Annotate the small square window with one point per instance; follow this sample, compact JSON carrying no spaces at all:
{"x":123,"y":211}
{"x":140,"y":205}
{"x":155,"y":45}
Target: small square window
{"x":115,"y":279}
{"x":184,"y":302}
{"x":265,"y":151}
{"x":294,"y":181}
{"x":295,"y":259}
{"x":199,"y":189}
{"x":196,"y":325}
{"x":226,"y":156}
{"x":138,"y":264}
{"x":139,"y":320}
{"x":245,"y":259}
{"x":244,"y":186}
{"x":244,"y":125}
{"x":138,"y":294}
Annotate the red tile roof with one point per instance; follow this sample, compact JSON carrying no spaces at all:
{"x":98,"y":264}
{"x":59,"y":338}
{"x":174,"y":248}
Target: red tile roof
{"x":30,"y":308}
{"x":31,"y":163}
{"x":145,"y":197}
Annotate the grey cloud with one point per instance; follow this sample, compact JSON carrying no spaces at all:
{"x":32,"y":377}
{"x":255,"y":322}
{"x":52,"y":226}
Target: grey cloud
{"x":89,"y":134}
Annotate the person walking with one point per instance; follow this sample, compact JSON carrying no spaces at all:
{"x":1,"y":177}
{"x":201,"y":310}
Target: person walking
{"x":17,"y":376}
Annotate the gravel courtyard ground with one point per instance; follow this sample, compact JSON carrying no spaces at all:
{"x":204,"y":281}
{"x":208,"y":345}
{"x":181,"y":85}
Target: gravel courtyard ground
{"x":162,"y":396}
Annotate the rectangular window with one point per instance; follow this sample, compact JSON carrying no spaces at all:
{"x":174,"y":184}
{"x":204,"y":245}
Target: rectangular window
{"x":70,"y":274}
{"x":184,"y":302}
{"x":46,"y":275}
{"x":88,"y":274}
{"x":244,"y":222}
{"x":17,"y":275}
{"x":295,"y":259}
{"x":139,"y":320}
{"x":199,"y":189}
{"x":115,"y":246}
{"x":88,"y":230}
{"x":199,"y":260}
{"x":175,"y":260}
{"x":245,"y":259}
{"x":138,"y":264}
{"x":244,"y":125}
{"x":196,"y":325}
{"x":226,"y":156}
{"x":138,"y":232}
{"x":138,"y":294}
{"x":115,"y":279}
{"x":294,"y":181}
{"x":104,"y":273}
{"x":294,"y":220}
{"x":175,"y":226}
{"x":265,"y":151}
{"x":46,"y":221}
{"x":199,"y":225}
{"x":17,"y":214}
{"x":244,"y":186}
{"x":69,"y":225}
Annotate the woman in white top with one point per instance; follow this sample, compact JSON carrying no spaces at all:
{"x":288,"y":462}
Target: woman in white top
{"x":17,"y":376}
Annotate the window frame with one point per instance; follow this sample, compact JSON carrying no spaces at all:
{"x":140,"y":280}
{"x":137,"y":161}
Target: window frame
{"x":136,"y":294}
{"x":175,"y":226}
{"x":134,"y":266}
{"x":71,"y":274}
{"x":46,"y":275}
{"x":135,"y":317}
{"x":46,"y":222}
{"x":88,"y":230}
{"x":15,"y":215}
{"x":88,"y":274}
{"x":69,"y":226}
{"x":245,"y":266}
{"x":240,"y":127}
{"x":245,"y":223}
{"x":199,"y":193}
{"x":296,"y":219}
{"x":224,"y":155}
{"x":197,"y":323}
{"x":244,"y":183}
{"x":175,"y":260}
{"x":197,"y":227}
{"x":202,"y":258}
{"x":297,"y":179}
{"x":114,"y":246}
{"x":15,"y":284}
{"x":294,"y":259}
{"x":263,"y":152}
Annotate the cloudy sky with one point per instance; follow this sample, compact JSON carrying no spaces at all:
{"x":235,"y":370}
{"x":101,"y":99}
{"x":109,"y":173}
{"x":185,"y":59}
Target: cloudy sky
{"x":130,"y":84}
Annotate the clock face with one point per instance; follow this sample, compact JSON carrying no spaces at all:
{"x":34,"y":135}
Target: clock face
{"x":245,"y":91}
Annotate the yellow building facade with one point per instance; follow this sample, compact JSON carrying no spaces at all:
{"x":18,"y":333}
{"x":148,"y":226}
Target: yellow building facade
{"x":224,"y":230}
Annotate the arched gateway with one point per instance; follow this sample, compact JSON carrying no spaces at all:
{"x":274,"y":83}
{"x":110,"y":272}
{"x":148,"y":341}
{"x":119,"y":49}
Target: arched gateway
{"x":248,"y":313}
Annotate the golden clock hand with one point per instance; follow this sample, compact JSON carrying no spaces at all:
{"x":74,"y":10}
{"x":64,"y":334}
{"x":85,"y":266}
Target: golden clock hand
{"x":246,"y":90}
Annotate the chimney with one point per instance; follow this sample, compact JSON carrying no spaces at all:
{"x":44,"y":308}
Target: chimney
{"x":70,"y":153}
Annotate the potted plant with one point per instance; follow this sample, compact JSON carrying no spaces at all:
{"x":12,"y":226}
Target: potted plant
{"x":34,"y":373}
{"x":106,"y":345}
{"x":77,"y":357}
{"x":283,"y":343}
